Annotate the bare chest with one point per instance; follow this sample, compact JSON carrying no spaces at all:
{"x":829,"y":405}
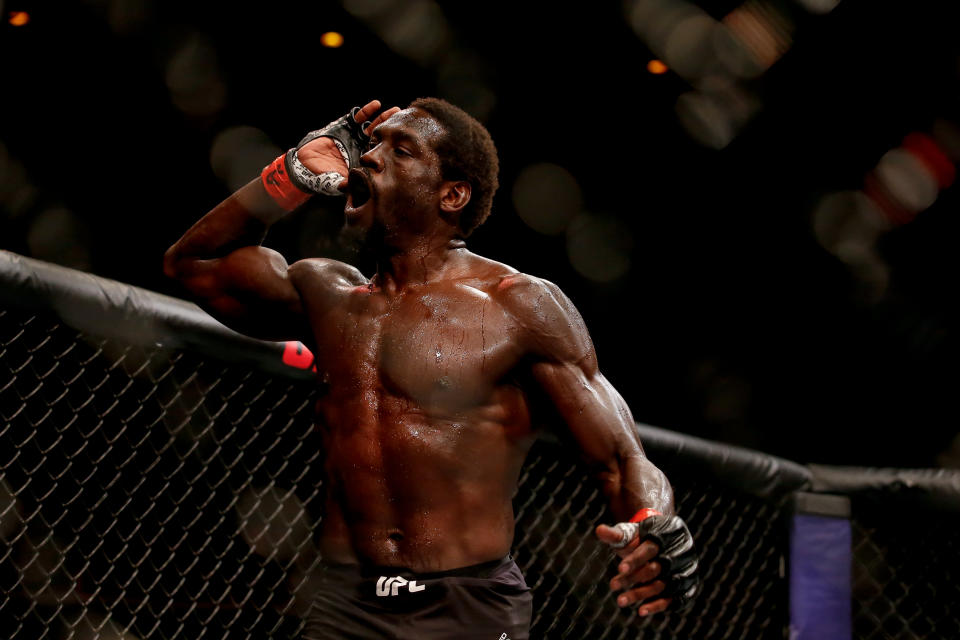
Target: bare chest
{"x":445,"y":350}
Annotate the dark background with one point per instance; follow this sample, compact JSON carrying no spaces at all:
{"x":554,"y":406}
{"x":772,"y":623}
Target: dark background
{"x":733,"y":321}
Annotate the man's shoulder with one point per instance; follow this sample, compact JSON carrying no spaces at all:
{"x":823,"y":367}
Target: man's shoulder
{"x":504,"y":283}
{"x":548,"y":322}
{"x":529,"y":297}
{"x":521,"y":287}
{"x":325,"y":272}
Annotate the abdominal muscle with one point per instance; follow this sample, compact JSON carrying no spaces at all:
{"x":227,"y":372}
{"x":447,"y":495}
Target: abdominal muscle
{"x":424,"y":491}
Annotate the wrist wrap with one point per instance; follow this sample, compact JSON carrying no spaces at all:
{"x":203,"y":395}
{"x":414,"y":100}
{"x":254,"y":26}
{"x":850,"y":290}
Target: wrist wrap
{"x":643,"y":514}
{"x":276,"y":182}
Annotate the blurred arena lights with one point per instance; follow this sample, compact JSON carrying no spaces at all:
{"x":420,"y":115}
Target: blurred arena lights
{"x":461,"y":80}
{"x":193,"y":77}
{"x":654,"y":21}
{"x":701,"y":49}
{"x":657,"y":67}
{"x":331,"y":39}
{"x":18,"y":18}
{"x":848,"y":225}
{"x":763,"y":29}
{"x":946,"y":134}
{"x":239,"y":153}
{"x":60,"y":236}
{"x":905,"y":181}
{"x":819,"y":6}
{"x":901,"y":185}
{"x":126,"y":17}
{"x":547,"y":197}
{"x":909,"y":178}
{"x":688,"y":45}
{"x":369,"y":9}
{"x":417,"y":30}
{"x":598,"y":247}
{"x":17,"y":193}
{"x":715,"y":114}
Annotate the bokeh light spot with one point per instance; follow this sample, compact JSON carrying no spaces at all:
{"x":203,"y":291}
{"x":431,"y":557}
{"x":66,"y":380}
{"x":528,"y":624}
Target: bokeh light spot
{"x":127,"y":17}
{"x":238,"y":154}
{"x":705,"y":120}
{"x":193,"y":77}
{"x":546,"y":197}
{"x":331,"y":39}
{"x":19,"y":18}
{"x":60,"y":236}
{"x":463,"y":79}
{"x":688,"y":46}
{"x":369,"y":9}
{"x":599,"y":247}
{"x":656,"y":67}
{"x":819,"y":6}
{"x":907,"y":179}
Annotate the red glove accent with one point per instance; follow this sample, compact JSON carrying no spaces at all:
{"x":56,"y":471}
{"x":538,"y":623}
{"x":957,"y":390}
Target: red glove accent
{"x":643,"y":514}
{"x":277,"y":184}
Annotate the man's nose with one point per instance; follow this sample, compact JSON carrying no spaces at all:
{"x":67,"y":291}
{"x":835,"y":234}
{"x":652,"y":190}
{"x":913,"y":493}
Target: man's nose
{"x":371,"y":159}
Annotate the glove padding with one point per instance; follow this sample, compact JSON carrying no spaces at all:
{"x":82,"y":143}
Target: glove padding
{"x":677,"y":557}
{"x":348,"y":135}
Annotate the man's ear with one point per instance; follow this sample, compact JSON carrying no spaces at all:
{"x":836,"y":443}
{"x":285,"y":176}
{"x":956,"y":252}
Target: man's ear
{"x":454,"y":197}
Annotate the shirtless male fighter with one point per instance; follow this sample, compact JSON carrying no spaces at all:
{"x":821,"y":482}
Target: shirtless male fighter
{"x":434,"y":376}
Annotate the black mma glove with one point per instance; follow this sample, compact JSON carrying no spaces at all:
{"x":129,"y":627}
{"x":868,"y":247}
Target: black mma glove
{"x":348,"y":135}
{"x":677,"y":556}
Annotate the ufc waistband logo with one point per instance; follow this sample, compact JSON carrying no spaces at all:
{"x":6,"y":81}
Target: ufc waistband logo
{"x":391,"y":586}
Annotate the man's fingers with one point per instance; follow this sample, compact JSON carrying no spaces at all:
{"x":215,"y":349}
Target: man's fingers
{"x":656,"y":606}
{"x":607,"y":534}
{"x":612,"y":535}
{"x":370,"y":109}
{"x":638,"y":557}
{"x":367,"y":111}
{"x":645,"y":573}
{"x":380,"y":118}
{"x":640,"y":594}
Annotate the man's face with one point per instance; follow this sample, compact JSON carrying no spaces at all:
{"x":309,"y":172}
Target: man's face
{"x":397,"y":187}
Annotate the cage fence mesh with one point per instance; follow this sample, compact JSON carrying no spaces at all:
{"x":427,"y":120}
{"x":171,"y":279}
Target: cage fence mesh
{"x":906,"y":573}
{"x":149,"y":492}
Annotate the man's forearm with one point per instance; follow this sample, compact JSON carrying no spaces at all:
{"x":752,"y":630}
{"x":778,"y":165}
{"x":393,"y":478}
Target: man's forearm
{"x":640,"y":485}
{"x":239,"y":221}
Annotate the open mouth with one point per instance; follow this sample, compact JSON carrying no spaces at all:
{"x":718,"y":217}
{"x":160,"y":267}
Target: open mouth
{"x":359,"y":188}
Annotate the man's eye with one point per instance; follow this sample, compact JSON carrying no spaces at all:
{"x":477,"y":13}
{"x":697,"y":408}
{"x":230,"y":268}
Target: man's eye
{"x":400,"y":152}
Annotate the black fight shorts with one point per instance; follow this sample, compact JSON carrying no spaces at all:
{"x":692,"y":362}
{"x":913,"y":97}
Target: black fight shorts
{"x":489,"y":601}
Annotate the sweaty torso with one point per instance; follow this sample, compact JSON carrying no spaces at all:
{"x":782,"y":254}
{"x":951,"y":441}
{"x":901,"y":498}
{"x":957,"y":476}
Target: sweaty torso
{"x":424,"y":425}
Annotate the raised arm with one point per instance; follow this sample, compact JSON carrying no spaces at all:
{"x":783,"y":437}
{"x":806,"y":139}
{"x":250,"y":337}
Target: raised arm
{"x":564,"y":364}
{"x":221,"y":264}
{"x":220,"y":260}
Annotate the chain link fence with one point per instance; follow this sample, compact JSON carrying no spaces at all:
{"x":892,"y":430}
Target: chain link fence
{"x":906,"y":574}
{"x":742,"y":540}
{"x":152,"y":492}
{"x":155,"y":493}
